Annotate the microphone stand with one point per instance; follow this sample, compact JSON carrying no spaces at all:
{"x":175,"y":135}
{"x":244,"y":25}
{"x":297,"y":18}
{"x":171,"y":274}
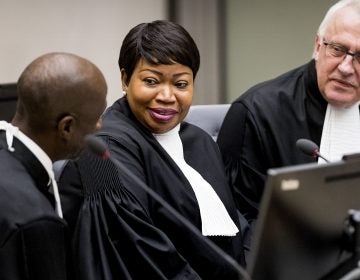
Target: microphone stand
{"x":322,"y":157}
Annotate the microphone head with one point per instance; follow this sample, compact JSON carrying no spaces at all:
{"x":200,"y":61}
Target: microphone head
{"x":97,"y":146}
{"x":308,"y":147}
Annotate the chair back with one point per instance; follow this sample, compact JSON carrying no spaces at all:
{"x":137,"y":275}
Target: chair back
{"x":208,"y":117}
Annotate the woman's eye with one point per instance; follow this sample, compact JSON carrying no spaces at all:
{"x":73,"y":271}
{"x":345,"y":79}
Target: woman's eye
{"x":181,"y":84}
{"x":150,"y":81}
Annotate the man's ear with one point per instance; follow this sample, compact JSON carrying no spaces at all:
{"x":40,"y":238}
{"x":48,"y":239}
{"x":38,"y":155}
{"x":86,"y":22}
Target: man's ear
{"x":66,"y":126}
{"x":317,"y":45}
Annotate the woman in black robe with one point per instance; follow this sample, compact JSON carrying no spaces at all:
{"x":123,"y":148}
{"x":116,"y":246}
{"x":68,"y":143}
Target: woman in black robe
{"x":119,"y":230}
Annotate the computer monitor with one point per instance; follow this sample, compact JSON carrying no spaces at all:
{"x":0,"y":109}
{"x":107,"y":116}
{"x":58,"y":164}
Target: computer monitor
{"x":8,"y":100}
{"x":303,"y":231}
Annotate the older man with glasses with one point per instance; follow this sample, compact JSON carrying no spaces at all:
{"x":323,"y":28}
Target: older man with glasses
{"x":318,"y":101}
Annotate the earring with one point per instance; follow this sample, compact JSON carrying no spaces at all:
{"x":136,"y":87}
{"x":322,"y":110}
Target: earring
{"x":124,"y":93}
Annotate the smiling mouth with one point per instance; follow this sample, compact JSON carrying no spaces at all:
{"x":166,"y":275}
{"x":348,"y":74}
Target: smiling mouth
{"x":162,"y":115}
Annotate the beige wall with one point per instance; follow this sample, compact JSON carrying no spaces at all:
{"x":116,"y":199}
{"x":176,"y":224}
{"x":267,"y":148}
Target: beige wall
{"x":90,"y":28}
{"x":268,"y":37}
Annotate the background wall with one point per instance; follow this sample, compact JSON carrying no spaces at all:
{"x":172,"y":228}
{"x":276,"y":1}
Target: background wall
{"x":268,"y":37}
{"x":203,"y":20}
{"x":90,"y":28}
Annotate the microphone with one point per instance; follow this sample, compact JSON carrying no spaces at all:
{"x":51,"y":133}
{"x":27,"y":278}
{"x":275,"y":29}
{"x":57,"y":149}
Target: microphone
{"x":99,"y":148}
{"x":309,"y":148}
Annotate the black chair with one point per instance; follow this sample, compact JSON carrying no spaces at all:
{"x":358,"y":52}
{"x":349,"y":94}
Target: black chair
{"x":8,"y":99}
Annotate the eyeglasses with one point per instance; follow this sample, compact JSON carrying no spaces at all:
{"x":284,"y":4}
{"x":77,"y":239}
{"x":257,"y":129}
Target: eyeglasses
{"x":339,"y":51}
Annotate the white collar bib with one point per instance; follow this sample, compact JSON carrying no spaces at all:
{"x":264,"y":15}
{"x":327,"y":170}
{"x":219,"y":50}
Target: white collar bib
{"x":341,"y":132}
{"x":214,"y":217}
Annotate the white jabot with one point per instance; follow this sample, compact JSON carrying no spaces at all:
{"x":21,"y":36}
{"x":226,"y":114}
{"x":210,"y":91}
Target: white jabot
{"x":214,"y":217}
{"x":11,"y":132}
{"x":341,"y":132}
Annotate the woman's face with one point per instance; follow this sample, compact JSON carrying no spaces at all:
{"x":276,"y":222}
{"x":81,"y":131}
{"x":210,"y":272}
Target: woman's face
{"x":159,"y":95}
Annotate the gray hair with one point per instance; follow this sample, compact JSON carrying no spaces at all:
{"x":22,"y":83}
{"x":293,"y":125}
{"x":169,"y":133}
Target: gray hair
{"x":333,"y":10}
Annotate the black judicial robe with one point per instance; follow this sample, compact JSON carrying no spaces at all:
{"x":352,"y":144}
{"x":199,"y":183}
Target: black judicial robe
{"x":116,"y":209}
{"x":32,"y":236}
{"x":261,"y":128}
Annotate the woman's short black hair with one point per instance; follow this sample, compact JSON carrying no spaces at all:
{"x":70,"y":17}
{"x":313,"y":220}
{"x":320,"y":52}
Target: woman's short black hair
{"x":158,"y":42}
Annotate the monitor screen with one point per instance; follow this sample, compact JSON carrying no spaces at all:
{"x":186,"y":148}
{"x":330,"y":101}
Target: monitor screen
{"x":301,"y":232}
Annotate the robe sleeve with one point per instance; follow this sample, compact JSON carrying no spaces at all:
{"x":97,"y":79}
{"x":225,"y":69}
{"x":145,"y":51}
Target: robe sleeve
{"x":112,"y":235}
{"x":242,"y":150}
{"x":36,"y":250}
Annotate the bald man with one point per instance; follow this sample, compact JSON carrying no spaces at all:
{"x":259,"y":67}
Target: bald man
{"x":61,"y":97}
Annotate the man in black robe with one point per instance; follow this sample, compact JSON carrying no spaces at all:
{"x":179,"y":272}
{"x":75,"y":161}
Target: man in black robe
{"x":55,"y":94}
{"x":261,"y":129}
{"x":262,"y":126}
